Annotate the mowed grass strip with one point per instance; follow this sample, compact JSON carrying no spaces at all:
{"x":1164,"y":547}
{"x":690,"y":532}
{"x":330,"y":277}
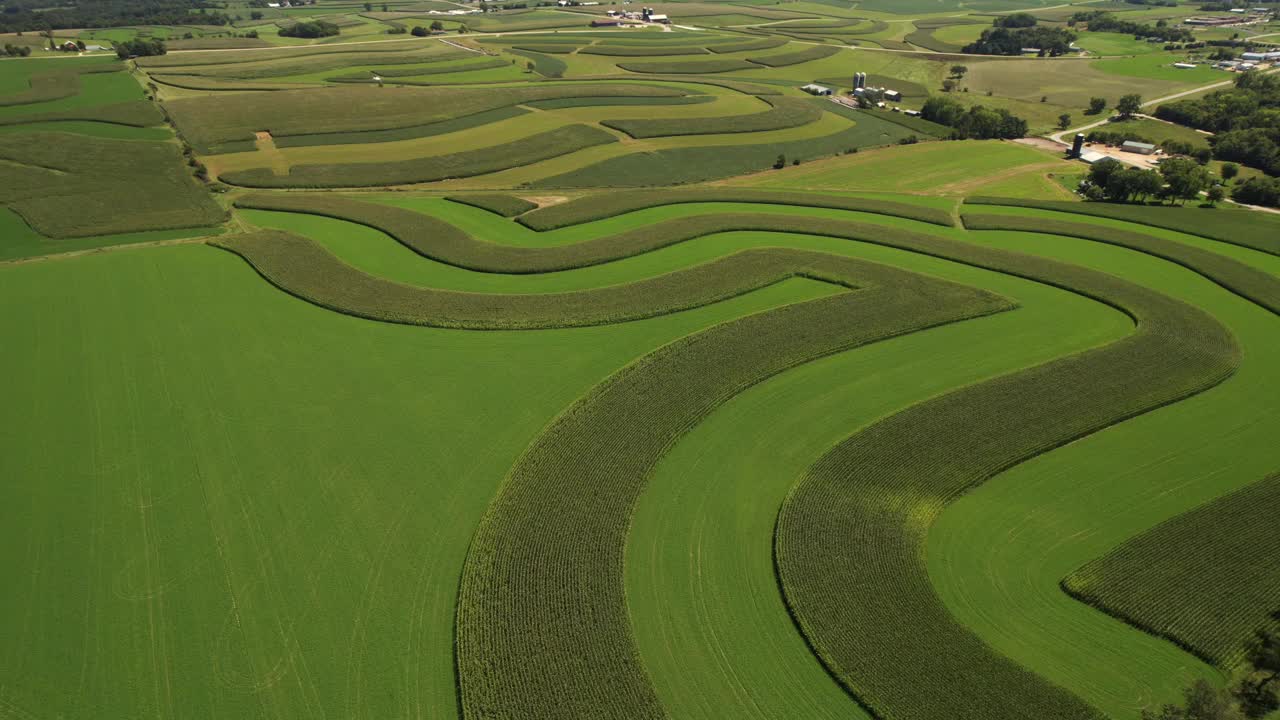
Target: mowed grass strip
{"x":599,"y":207}
{"x":1244,"y":280}
{"x":208,"y":121}
{"x":534,"y":148}
{"x":306,"y":270}
{"x":690,"y":67}
{"x":1198,"y":579}
{"x":816,"y":52}
{"x":784,"y":113}
{"x":504,"y":205}
{"x":542,"y":627}
{"x":853,"y":530}
{"x":1256,"y":230}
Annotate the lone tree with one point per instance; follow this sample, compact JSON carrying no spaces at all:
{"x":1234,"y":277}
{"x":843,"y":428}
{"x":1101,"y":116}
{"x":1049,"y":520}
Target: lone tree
{"x":436,"y":26}
{"x":1129,"y":105}
{"x":1215,"y":195}
{"x":1064,"y":121}
{"x":1097,"y":105}
{"x":948,"y":85}
{"x":958,"y":71}
{"x":1230,"y":171}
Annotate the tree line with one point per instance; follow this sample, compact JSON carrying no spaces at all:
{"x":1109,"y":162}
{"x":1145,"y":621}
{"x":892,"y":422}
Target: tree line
{"x":1102,"y":21}
{"x":27,"y":15}
{"x":977,"y":122}
{"x":1010,"y":34}
{"x":1245,"y":120}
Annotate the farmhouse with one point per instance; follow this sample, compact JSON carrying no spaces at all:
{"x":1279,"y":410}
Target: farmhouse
{"x":814,"y":89}
{"x":1140,"y":148}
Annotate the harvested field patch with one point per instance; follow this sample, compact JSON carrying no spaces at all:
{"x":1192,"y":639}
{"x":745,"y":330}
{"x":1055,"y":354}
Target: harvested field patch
{"x":428,"y":169}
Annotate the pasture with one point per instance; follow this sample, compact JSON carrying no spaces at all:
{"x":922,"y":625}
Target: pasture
{"x":547,"y":371}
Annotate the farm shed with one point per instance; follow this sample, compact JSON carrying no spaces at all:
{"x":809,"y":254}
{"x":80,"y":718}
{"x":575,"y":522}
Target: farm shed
{"x":814,"y":89}
{"x":660,"y":19}
{"x":893,"y":95}
{"x":1092,"y":156}
{"x":1140,"y":148}
{"x":1184,"y":66}
{"x":912,"y":113}
{"x":1255,"y":56}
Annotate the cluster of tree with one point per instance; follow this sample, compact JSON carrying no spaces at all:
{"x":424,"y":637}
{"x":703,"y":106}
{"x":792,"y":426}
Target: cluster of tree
{"x":436,"y":26}
{"x":1178,"y":179}
{"x":16,"y":50}
{"x":25,"y":15}
{"x":310,"y":29}
{"x":1102,"y":21}
{"x":1254,"y":696}
{"x":140,"y":47}
{"x":1258,"y":191}
{"x":977,"y":122}
{"x":1246,"y":120}
{"x":1011,"y":41}
{"x":1016,"y":20}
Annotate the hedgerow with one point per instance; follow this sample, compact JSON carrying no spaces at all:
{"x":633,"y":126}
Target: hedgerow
{"x":816,"y":52}
{"x":1255,"y":230}
{"x":516,"y":153}
{"x":599,"y":207}
{"x":1253,"y":284}
{"x":504,"y":205}
{"x":465,"y":122}
{"x":691,"y":67}
{"x":696,"y":164}
{"x":852,"y":532}
{"x":1196,"y":579}
{"x":785,"y":113}
{"x":640,"y":50}
{"x":750,"y":45}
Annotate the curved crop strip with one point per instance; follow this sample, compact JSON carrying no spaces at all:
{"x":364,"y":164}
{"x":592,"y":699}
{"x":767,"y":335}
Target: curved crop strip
{"x":925,"y":38}
{"x":364,"y":77}
{"x":552,"y":49}
{"x":784,"y":113}
{"x":795,"y":58}
{"x":602,"y":101}
{"x":284,"y":67}
{"x":466,"y":122}
{"x":504,"y":205}
{"x":748,"y":46}
{"x":1259,"y":231}
{"x":441,"y":241}
{"x":692,"y":67}
{"x":306,"y":270}
{"x":135,"y":113}
{"x":1200,"y":579}
{"x":544,"y":65}
{"x":541,"y":146}
{"x":223,"y":57}
{"x":679,"y":165}
{"x":542,"y":624}
{"x":852,"y":533}
{"x":746,"y":88}
{"x":200,"y":82}
{"x":1253,"y":284}
{"x":641,"y":50}
{"x":599,"y":207}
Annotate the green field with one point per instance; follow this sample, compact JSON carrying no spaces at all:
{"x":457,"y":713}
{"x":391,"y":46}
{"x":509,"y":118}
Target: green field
{"x":573,"y":372}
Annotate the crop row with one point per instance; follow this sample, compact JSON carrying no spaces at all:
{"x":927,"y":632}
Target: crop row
{"x":688,"y":67}
{"x":642,"y":50}
{"x":504,"y":205}
{"x":135,"y":113}
{"x":222,"y":57}
{"x":531,"y":149}
{"x":282,"y":67}
{"x":561,"y":103}
{"x":1258,"y":231}
{"x":784,"y":113}
{"x":207,"y":121}
{"x":749,"y":45}
{"x":56,"y":182}
{"x":852,"y":532}
{"x":393,"y":72}
{"x":1205,"y":579}
{"x":466,"y":122}
{"x":1253,"y":284}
